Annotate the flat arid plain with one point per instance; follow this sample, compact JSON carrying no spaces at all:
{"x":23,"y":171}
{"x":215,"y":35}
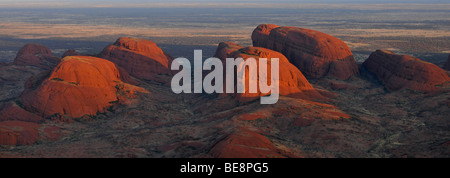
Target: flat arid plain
{"x":374,"y":106}
{"x":419,"y":29}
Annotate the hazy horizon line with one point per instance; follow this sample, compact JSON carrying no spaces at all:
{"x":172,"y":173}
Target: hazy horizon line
{"x":237,"y":5}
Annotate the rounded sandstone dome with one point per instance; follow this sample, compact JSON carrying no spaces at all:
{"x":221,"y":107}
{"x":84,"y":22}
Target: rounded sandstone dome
{"x":291,"y":80}
{"x":316,"y":54}
{"x":141,"y":58}
{"x":78,"y":86}
{"x":36,"y":55}
{"x":403,"y":71}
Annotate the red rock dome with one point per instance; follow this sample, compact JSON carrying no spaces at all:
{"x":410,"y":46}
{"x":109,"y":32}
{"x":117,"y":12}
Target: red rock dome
{"x":245,"y":144}
{"x":78,"y":86}
{"x":26,"y":133}
{"x":225,"y":49}
{"x":12,"y":112}
{"x":142,"y":59}
{"x":291,"y":80}
{"x":316,"y":54}
{"x":18,"y":133}
{"x":403,"y":71}
{"x":36,"y":55}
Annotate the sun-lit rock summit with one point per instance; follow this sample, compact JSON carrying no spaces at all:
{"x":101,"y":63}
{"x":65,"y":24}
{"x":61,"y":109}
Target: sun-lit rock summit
{"x":78,"y":86}
{"x":316,"y":54}
{"x":291,"y":80}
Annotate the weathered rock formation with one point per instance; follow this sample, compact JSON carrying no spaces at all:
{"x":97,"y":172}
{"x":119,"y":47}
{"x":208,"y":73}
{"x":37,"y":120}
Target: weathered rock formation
{"x":78,"y":86}
{"x":291,"y":80}
{"x":316,"y":54}
{"x":13,"y":112}
{"x":403,"y":71}
{"x":18,"y":133}
{"x":225,"y":49}
{"x":142,"y":59}
{"x":245,"y":143}
{"x":26,"y":133}
{"x":36,"y":55}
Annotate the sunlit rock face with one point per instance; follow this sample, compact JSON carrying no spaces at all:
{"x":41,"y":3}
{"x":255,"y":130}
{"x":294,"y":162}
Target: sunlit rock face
{"x":316,"y":54}
{"x":78,"y":86}
{"x":291,"y":80}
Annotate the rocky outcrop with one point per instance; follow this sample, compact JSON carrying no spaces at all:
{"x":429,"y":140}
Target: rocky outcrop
{"x":18,"y":133}
{"x":14,"y":133}
{"x":316,"y":54}
{"x":31,"y":60}
{"x":403,"y":71}
{"x":260,"y":35}
{"x":36,"y":55}
{"x":78,"y":86}
{"x":125,"y":76}
{"x":13,"y":112}
{"x":245,"y":143}
{"x":142,"y":59}
{"x":291,"y":80}
{"x":225,"y":49}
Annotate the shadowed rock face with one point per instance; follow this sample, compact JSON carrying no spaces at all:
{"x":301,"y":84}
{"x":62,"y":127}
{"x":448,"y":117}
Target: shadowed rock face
{"x":78,"y":86}
{"x":403,"y":71}
{"x":31,"y":60}
{"x":316,"y":54}
{"x":142,"y":59}
{"x":36,"y":55}
{"x":291,"y":80}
